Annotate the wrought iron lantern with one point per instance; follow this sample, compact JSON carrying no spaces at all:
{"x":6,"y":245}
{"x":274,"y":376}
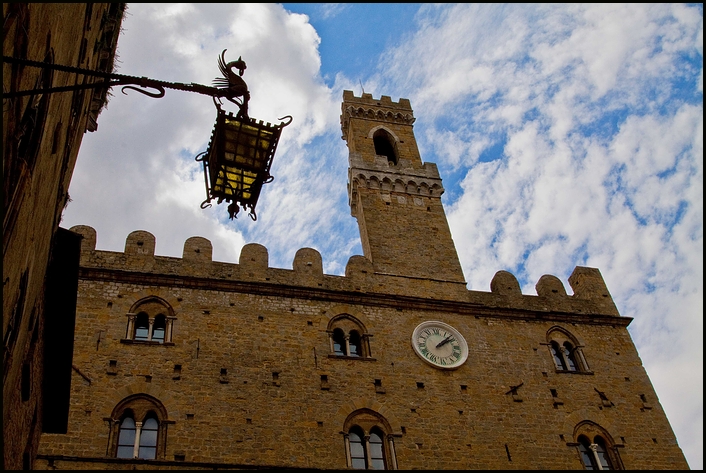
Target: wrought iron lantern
{"x":238,"y":159}
{"x":239,"y":156}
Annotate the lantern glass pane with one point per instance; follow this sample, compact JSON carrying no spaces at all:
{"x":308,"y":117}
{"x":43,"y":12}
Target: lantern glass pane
{"x":239,"y":157}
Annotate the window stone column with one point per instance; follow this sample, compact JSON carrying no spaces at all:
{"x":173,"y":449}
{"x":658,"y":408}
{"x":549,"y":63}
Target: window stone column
{"x":151,"y":327}
{"x":347,"y":443}
{"x":138,"y":427}
{"x":564,"y":353}
{"x":366,"y":443}
{"x":169,"y":327}
{"x":594,"y":450}
{"x":580,"y":359}
{"x":365,"y":345}
{"x":130,"y":325}
{"x":113,"y":427}
{"x":393,"y":455}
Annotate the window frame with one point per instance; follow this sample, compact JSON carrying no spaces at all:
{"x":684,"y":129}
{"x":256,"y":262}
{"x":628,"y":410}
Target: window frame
{"x":122,"y":429}
{"x":351,"y":329}
{"x":354,"y":455}
{"x":385,"y":145}
{"x":338,"y":340}
{"x":156,"y":310}
{"x":160,"y":323}
{"x":143,"y":441}
{"x":141,"y":324}
{"x":365,"y":423}
{"x":566,"y":352}
{"x":145,"y":408}
{"x":589,"y":438}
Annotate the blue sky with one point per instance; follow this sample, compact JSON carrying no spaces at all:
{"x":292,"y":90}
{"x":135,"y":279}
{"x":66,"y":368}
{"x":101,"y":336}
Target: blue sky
{"x":565,"y":135}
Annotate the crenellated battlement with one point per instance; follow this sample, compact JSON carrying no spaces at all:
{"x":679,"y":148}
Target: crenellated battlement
{"x":383,"y":102}
{"x":380,"y":110}
{"x":138,"y":261}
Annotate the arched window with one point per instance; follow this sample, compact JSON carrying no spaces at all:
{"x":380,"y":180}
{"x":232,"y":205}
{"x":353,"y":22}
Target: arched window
{"x":348,"y":337}
{"x":369,"y":443}
{"x":566,"y":351}
{"x":377,"y":450}
{"x":139,"y":429}
{"x":594,"y":454}
{"x":158,"y":330}
{"x":138,"y":439}
{"x":355,"y":437}
{"x":595,"y":448}
{"x":148,"y":439}
{"x":602,"y":453}
{"x":142,"y":327}
{"x":384,"y":145}
{"x":339,"y":342}
{"x":126,"y":438}
{"x":354,"y":343}
{"x":150,"y":320}
{"x":557,"y":354}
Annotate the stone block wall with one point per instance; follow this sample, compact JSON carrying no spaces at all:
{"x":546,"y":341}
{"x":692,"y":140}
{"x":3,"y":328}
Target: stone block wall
{"x":250,"y":379}
{"x":397,"y":198}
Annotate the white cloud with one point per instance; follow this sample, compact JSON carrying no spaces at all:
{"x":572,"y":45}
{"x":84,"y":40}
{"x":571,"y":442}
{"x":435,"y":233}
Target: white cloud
{"x":137,"y":171}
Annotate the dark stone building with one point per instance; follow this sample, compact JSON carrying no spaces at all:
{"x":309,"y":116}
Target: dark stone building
{"x":42,"y":133}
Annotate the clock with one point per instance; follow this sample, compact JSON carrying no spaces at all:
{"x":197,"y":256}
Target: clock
{"x":440,"y":345}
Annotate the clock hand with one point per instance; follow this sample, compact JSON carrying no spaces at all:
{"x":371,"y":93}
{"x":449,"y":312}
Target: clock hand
{"x":444,"y":341}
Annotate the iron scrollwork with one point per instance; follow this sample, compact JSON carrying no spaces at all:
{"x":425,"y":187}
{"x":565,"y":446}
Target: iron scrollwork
{"x":230,"y":86}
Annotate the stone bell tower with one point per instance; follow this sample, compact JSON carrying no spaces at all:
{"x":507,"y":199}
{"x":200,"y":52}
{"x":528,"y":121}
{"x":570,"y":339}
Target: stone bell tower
{"x":394,"y":196}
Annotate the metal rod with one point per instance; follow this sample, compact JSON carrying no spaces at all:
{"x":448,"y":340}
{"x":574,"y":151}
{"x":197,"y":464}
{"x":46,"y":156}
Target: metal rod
{"x":112,"y":79}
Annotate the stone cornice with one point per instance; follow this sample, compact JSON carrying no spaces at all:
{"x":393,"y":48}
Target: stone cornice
{"x":393,"y":301}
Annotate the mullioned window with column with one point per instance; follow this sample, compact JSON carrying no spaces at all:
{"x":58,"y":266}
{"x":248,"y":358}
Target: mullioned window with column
{"x":368,"y":440}
{"x":596,"y":447}
{"x":566,"y":351}
{"x":150,"y":321}
{"x":138,"y":428}
{"x":348,"y":338}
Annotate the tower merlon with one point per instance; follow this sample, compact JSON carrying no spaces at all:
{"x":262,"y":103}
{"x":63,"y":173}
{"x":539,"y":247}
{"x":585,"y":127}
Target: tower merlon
{"x":588,"y":283}
{"x":384,"y":100}
{"x":366,"y":108}
{"x":590,"y":298}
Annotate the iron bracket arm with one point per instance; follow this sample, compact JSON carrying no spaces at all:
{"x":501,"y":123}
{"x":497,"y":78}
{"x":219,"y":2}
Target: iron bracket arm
{"x":110,"y":80}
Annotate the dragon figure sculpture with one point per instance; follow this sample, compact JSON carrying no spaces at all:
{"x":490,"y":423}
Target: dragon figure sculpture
{"x":232,"y":85}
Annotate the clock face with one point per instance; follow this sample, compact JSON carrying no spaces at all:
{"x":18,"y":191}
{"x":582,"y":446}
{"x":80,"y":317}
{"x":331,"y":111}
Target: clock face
{"x":440,"y":345}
